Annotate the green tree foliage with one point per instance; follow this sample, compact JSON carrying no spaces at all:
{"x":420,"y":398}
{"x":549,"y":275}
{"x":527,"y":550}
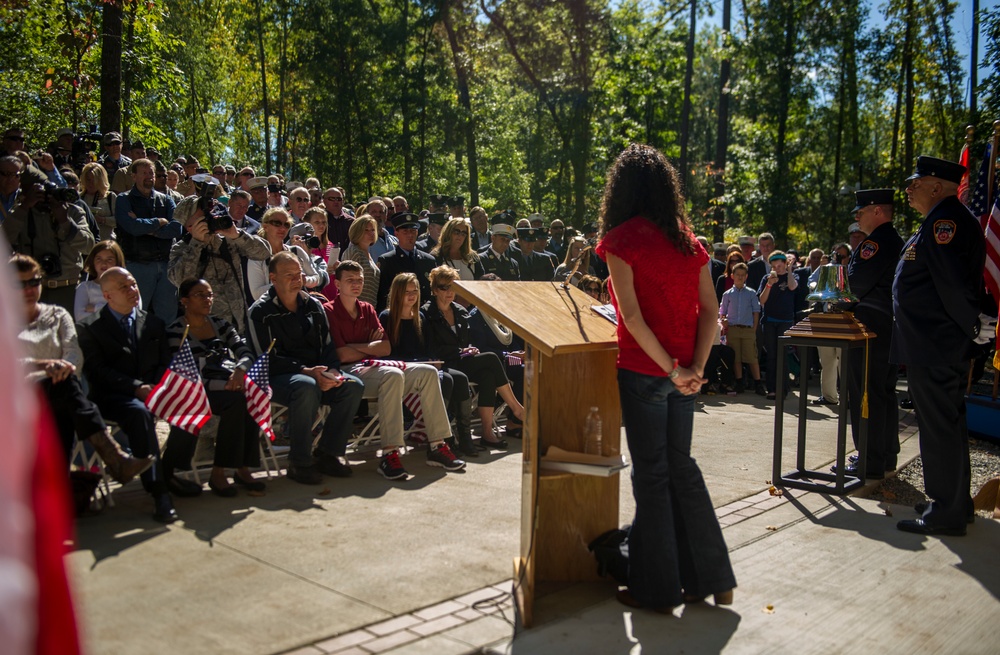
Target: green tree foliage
{"x":520,"y":104}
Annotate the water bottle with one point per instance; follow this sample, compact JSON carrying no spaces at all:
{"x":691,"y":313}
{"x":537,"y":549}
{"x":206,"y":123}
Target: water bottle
{"x":592,"y":433}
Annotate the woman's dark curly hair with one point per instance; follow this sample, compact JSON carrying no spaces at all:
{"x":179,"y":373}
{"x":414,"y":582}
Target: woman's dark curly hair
{"x":642,"y":182}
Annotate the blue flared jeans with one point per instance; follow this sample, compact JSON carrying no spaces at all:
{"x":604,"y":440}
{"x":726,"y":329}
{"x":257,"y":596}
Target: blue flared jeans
{"x":675,"y":545}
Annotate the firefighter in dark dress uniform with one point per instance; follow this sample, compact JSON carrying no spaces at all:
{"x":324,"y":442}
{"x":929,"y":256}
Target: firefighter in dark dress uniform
{"x":936,"y":307}
{"x":870,"y":271}
{"x":496,"y":257}
{"x":534,"y":267}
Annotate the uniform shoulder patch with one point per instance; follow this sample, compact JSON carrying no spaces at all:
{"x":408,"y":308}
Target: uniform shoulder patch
{"x":867,"y":249}
{"x":944,"y":231}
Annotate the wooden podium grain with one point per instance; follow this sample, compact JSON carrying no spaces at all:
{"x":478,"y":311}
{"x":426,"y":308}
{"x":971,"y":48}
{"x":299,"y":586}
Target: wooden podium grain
{"x":570,"y":367}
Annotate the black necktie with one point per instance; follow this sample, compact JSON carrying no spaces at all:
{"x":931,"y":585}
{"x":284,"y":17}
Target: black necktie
{"x":127,"y":327}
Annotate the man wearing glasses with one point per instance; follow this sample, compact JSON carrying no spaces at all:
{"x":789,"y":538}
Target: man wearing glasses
{"x":338,"y":221}
{"x":13,"y":140}
{"x":557,"y":242}
{"x":10,"y":185}
{"x":298,"y":202}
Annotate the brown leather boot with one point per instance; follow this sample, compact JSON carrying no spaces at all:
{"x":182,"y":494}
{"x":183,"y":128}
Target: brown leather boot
{"x":119,"y":464}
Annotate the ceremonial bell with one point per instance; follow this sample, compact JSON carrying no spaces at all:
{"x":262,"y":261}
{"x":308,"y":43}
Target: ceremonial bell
{"x":832,"y":286}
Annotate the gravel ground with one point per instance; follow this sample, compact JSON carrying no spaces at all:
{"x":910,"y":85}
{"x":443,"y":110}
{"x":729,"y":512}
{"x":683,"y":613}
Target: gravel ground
{"x":907,"y":487}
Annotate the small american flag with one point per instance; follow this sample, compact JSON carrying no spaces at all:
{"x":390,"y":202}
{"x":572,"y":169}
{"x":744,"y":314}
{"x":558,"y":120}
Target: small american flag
{"x":365,"y":364}
{"x":513,"y":360}
{"x":258,"y":392}
{"x":180,"y":398}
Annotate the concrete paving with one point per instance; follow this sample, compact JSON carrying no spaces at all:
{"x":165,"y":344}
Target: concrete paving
{"x":369,"y":566}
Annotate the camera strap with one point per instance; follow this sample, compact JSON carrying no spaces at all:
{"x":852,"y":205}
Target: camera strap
{"x":223,"y":253}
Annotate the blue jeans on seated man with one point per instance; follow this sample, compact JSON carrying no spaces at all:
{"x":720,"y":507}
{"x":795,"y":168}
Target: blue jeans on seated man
{"x":675,"y":545}
{"x":303,"y":398}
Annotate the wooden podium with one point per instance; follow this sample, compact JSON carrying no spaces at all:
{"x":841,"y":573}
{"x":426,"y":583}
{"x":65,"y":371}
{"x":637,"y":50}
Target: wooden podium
{"x":570,"y":367}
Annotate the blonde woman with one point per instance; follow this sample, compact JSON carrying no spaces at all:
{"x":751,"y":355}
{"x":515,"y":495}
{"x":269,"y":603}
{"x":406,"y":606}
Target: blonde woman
{"x":363,"y":233}
{"x":455,"y":250}
{"x":96,"y":192}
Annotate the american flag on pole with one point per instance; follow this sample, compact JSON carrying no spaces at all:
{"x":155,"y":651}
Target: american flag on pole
{"x":989,"y":217}
{"x":258,"y":392}
{"x":963,"y":186}
{"x":180,"y":397}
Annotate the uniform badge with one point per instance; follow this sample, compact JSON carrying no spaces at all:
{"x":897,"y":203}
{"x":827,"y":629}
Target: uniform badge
{"x":944,"y":231}
{"x":868,"y":249}
{"x":910,"y":254}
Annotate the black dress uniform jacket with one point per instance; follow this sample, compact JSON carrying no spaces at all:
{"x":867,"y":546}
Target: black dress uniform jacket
{"x":393,"y":263}
{"x":505,"y":267}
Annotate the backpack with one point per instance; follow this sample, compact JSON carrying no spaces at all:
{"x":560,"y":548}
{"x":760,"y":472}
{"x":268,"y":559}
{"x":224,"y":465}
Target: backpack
{"x":611,"y":552}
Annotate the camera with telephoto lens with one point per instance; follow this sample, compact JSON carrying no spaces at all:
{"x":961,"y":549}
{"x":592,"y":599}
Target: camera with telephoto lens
{"x":217,"y":217}
{"x":54,"y":193}
{"x":85,"y":146}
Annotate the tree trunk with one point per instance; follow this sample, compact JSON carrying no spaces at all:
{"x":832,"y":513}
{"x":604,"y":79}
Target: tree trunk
{"x":838,"y":150}
{"x":974,"y":65}
{"x":128,"y":76}
{"x":263,"y":90}
{"x":908,"y":120}
{"x":686,"y":110}
{"x":722,"y":130}
{"x":780,"y":190}
{"x":111,"y":67}
{"x":462,"y":75}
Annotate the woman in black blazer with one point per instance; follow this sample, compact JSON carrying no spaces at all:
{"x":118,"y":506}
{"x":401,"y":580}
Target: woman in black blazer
{"x":447,"y":339}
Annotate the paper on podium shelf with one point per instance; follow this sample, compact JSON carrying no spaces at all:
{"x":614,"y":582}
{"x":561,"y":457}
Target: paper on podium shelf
{"x":557,"y":459}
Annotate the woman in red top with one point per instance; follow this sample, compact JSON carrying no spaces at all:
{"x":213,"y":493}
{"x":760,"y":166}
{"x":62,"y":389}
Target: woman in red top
{"x":661,"y":287}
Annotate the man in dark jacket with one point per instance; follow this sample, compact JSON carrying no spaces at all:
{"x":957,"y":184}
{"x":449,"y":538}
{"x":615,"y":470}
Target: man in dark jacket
{"x":935,"y":299}
{"x":404,"y":258}
{"x":305,"y":372}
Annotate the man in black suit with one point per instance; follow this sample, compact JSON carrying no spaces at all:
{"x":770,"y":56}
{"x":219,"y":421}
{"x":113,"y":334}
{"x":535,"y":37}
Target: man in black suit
{"x":125,"y":353}
{"x":758,"y":268}
{"x":935,"y":301}
{"x":405,"y":258}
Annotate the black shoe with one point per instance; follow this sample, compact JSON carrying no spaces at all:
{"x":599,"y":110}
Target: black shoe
{"x":852,"y":471}
{"x":468,"y":449}
{"x":493,"y":445}
{"x":164,"y":511}
{"x":304,"y":474}
{"x":183,"y":488}
{"x":906,"y":403}
{"x":920,"y":508}
{"x":332,"y":465}
{"x":249,"y":485}
{"x":225,"y":492}
{"x":759,"y":388}
{"x":918,"y":526}
{"x":823,"y":401}
{"x":771,"y":396}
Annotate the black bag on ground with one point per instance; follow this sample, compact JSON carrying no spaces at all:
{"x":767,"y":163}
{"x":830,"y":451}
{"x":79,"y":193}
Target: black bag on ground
{"x":87,"y":497}
{"x":611,"y":552}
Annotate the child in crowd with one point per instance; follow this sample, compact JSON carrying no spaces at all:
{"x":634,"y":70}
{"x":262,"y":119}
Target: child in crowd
{"x":740,"y":314}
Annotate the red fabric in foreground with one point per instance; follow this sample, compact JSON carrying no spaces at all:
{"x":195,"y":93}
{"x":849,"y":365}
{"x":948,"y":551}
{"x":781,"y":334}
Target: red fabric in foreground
{"x":57,"y":629}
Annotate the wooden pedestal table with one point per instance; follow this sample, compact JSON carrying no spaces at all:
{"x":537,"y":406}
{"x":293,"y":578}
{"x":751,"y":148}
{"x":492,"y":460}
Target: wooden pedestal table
{"x":841,"y":331}
{"x":569,"y":368}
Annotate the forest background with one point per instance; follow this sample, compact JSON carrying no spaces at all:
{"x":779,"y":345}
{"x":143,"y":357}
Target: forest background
{"x":773,"y":113}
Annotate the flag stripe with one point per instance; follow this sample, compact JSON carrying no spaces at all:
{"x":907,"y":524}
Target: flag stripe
{"x":180,"y":398}
{"x":258,"y":393}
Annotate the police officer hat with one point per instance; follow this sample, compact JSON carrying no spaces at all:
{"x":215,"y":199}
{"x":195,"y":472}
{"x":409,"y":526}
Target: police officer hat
{"x":439,"y":199}
{"x":437,"y":218}
{"x":527,"y":233}
{"x":456,"y":201}
{"x":405,"y":220}
{"x":868,"y":197}
{"x":257,"y":183}
{"x":939,"y":168}
{"x":502,"y":225}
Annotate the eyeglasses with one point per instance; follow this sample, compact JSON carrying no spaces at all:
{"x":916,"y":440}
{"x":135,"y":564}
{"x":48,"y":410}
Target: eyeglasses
{"x":443,"y":287}
{"x":333,"y":197}
{"x":301,"y":199}
{"x":10,"y":173}
{"x":464,"y":233}
{"x":203,"y":296}
{"x":13,"y":137}
{"x":218,"y":173}
{"x":33,"y":282}
{"x":279,"y":224}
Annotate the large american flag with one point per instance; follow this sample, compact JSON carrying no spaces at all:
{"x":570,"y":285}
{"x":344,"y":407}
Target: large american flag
{"x":258,"y":392}
{"x":984,"y":205}
{"x":180,"y":397}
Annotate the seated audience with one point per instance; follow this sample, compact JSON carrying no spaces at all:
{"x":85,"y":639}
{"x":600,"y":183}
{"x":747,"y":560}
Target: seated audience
{"x":455,"y":250}
{"x":276,"y":223}
{"x":305,"y":371}
{"x":89,"y":298}
{"x":362,"y":234}
{"x":359,"y":337}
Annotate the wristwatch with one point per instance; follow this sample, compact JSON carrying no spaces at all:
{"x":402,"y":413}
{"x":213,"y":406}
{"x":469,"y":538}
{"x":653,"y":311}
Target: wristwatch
{"x":674,"y":373}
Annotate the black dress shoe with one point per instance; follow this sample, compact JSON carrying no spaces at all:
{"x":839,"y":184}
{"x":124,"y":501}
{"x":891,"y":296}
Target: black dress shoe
{"x":852,"y":470}
{"x":228,"y":491}
{"x":906,"y":403}
{"x":823,"y":401}
{"x":494,"y":445}
{"x":332,"y":466}
{"x":920,"y":508}
{"x":918,"y":526}
{"x":251,"y":484}
{"x":183,"y":488}
{"x":304,"y":474}
{"x":164,"y":511}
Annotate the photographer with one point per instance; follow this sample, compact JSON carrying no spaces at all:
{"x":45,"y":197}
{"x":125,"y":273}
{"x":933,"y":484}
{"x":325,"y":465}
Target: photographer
{"x":212,"y":250}
{"x":47,"y":225}
{"x":146,"y":231}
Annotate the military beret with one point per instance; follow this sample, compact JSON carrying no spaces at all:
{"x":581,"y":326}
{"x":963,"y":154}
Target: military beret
{"x":940,"y":168}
